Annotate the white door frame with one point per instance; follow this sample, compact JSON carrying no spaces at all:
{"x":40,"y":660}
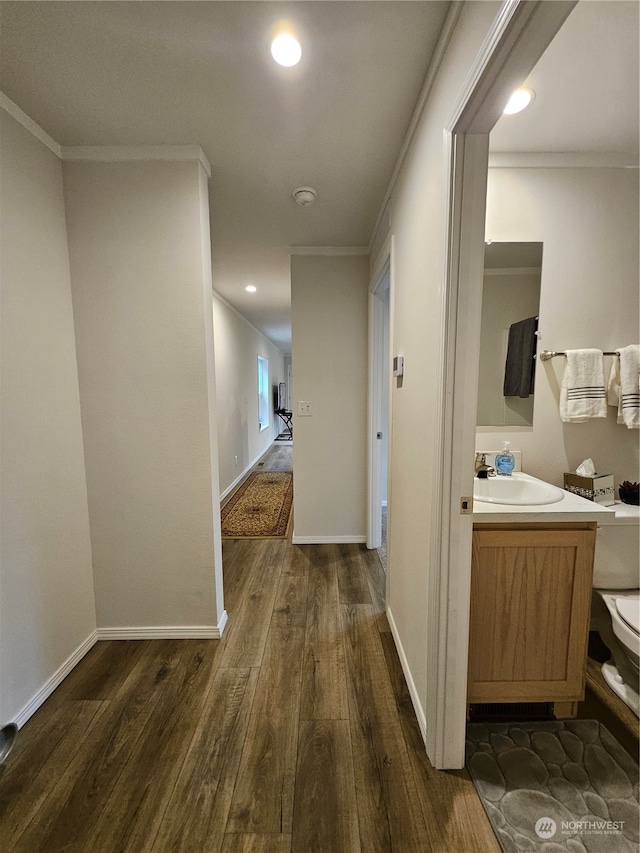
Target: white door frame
{"x":519,"y":36}
{"x":379,"y":372}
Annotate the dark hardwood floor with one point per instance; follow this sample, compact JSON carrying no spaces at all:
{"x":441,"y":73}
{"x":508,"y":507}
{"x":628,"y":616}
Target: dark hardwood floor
{"x":294,"y":733}
{"x":601,"y":703}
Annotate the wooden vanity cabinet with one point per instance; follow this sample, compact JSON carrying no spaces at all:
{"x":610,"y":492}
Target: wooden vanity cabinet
{"x":530,"y":610}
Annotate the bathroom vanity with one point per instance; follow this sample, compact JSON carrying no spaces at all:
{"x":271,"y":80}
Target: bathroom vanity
{"x":531,"y":581}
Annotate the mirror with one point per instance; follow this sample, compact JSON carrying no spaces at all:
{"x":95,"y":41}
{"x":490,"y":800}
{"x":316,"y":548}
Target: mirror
{"x":510,"y":307}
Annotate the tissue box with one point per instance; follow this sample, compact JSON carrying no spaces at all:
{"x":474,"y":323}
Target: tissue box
{"x":598,"y":488}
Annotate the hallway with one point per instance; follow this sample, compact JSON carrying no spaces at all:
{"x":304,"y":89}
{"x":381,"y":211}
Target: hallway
{"x":293,"y":733}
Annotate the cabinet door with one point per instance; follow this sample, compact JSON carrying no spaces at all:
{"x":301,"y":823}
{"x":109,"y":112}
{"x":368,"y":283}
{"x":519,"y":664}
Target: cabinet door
{"x":530,"y":603}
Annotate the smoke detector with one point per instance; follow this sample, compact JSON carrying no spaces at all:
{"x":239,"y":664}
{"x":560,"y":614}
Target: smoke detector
{"x":304,"y":196}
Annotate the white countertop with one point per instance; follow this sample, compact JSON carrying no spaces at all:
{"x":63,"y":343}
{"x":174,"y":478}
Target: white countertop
{"x":570,"y":508}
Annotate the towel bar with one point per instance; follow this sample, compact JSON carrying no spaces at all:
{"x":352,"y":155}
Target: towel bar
{"x":546,"y":354}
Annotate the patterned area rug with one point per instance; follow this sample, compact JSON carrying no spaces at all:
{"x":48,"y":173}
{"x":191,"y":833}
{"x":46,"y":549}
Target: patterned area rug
{"x":261,"y":506}
{"x":555,"y":786}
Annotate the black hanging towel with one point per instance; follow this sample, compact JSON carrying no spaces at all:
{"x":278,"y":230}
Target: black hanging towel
{"x":520,"y":367}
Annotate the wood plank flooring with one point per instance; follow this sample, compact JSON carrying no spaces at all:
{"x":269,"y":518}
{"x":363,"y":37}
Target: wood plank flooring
{"x":295,"y":733}
{"x":601,"y":703}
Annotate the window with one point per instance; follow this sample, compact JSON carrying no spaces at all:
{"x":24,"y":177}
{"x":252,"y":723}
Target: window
{"x":263,"y":392}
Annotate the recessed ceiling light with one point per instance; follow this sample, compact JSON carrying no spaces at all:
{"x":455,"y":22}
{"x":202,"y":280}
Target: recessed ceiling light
{"x":286,"y":50}
{"x":250,"y":288}
{"x":519,"y":101}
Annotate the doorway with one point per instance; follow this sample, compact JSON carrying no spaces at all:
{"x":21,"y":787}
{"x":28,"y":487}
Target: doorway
{"x":520,"y":35}
{"x":379,"y":408}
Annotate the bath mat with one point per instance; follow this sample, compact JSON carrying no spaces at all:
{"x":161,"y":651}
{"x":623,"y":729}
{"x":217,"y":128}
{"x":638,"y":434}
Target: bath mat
{"x":555,"y":786}
{"x":261,"y":506}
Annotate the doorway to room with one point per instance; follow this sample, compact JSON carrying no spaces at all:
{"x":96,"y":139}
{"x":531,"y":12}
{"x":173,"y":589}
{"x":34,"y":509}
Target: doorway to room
{"x":379,"y":410}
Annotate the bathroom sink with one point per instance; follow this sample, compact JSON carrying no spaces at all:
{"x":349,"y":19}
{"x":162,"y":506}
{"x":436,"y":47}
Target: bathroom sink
{"x":518,"y":489}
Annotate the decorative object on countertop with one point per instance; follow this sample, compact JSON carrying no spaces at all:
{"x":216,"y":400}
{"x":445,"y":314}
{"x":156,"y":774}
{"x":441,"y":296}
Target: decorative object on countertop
{"x":590,"y":485}
{"x":520,"y":365}
{"x":630,"y":493}
{"x":582,"y":395}
{"x":623,"y":389}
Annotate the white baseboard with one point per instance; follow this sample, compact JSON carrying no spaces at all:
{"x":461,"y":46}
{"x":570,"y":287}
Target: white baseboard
{"x":417,"y":707}
{"x":56,"y":679}
{"x":164,"y":632}
{"x":240,"y":477}
{"x":222,"y":624}
{"x":354,"y":539}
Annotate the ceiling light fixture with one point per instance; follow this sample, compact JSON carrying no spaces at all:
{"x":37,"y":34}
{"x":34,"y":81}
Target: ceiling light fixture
{"x":304,"y":196}
{"x":520,"y":100}
{"x":251,"y":288}
{"x":286,"y":50}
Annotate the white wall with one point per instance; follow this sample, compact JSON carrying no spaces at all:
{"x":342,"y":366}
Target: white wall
{"x":588,"y":222}
{"x":237,"y":347}
{"x":329,"y":298}
{"x":143,"y":325}
{"x":47,"y":606}
{"x":418,"y":228}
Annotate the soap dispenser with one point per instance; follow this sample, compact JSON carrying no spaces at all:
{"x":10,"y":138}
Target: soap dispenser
{"x":505,"y":461}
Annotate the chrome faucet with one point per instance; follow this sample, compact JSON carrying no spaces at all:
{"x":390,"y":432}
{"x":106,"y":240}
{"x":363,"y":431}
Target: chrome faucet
{"x":481,"y":468}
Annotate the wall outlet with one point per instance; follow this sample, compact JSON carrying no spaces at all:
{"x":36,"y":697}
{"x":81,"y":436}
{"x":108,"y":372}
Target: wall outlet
{"x":305,"y":409}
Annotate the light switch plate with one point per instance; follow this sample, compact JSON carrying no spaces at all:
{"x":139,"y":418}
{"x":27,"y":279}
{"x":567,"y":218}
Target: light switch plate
{"x":305,"y":409}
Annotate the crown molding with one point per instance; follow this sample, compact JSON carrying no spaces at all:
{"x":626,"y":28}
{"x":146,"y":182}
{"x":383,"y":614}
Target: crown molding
{"x":451,"y":20}
{"x":562,"y":160}
{"x":328,"y":250}
{"x":105,"y":153}
{"x":233,"y":308}
{"x":29,"y":124}
{"x":125,"y":153}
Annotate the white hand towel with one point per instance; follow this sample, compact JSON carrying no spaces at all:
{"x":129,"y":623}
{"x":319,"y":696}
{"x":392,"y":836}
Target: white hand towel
{"x":623,"y":389}
{"x":582,"y":395}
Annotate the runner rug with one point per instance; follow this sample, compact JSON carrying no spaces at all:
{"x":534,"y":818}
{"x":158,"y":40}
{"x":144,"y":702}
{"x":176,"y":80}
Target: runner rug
{"x":555,"y":786}
{"x":261,"y":506}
